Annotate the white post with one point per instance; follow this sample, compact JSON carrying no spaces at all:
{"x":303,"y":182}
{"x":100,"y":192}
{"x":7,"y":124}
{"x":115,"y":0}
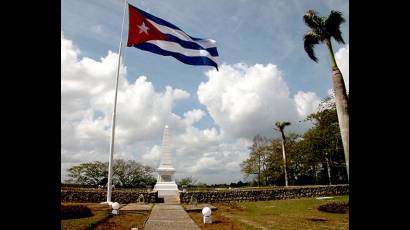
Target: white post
{"x":110,"y":161}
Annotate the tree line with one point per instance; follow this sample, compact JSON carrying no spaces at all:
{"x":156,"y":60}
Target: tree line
{"x":126,"y":174}
{"x":316,"y":157}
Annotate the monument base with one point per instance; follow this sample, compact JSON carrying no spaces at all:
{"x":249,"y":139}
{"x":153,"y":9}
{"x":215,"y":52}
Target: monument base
{"x":166,"y":189}
{"x":107,"y":203}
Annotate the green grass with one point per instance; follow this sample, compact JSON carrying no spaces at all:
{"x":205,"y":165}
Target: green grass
{"x":288,"y":214}
{"x":101,"y":212}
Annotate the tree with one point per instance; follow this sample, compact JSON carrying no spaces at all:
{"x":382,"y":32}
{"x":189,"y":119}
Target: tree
{"x":125,"y":174}
{"x":323,"y":29}
{"x":292,"y":161}
{"x":281,"y":126}
{"x":324,"y":133}
{"x":271,"y":161}
{"x":275,"y":169}
{"x":187,"y":181}
{"x":238,"y":184}
{"x":255,"y":165}
{"x":87,"y":173}
{"x":132,"y":174}
{"x":249,"y":166}
{"x":320,"y":153}
{"x":103,"y":182}
{"x":306,"y":161}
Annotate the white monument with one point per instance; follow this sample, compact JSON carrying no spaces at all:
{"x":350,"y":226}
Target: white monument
{"x":166,"y":185}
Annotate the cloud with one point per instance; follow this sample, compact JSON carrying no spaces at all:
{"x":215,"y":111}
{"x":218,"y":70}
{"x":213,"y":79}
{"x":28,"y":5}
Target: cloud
{"x":246,"y":100}
{"x":306,"y":103}
{"x":219,"y":162}
{"x":342,"y":60}
{"x":153,"y":156}
{"x":242,"y":100}
{"x":193,"y":116}
{"x":87,"y":94}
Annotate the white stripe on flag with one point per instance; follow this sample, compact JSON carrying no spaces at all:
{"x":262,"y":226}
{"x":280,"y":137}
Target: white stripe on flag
{"x":177,"y":48}
{"x":206,"y":43}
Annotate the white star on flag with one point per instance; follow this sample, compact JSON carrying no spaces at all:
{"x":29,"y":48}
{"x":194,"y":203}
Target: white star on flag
{"x":143,"y":28}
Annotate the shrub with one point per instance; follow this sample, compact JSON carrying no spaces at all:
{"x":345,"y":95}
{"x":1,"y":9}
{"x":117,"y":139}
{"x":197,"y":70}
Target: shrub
{"x":75,"y":211}
{"x":334,"y":207}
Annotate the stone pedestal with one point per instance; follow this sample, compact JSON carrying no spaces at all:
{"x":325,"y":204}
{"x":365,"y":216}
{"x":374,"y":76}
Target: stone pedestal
{"x":207,"y":220}
{"x":166,"y":189}
{"x":166,"y":185}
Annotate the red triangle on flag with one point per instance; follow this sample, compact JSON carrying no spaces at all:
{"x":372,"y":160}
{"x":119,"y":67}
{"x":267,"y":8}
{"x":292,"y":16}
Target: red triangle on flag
{"x":141,"y":30}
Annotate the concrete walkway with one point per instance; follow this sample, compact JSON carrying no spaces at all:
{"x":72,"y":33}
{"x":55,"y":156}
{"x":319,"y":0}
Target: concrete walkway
{"x":169,"y":216}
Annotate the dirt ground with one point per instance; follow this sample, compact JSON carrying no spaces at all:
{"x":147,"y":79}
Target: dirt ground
{"x":125,"y":221}
{"x":103,"y":219}
{"x":218,"y":221}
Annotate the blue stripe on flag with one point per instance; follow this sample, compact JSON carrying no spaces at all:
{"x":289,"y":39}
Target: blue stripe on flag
{"x":197,"y":60}
{"x":196,"y":39}
{"x":162,"y":22}
{"x":156,"y":19}
{"x":191,"y":45}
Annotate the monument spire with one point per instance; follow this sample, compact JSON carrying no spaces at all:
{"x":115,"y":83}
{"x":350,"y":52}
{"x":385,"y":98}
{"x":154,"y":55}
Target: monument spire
{"x":165,"y":161}
{"x":166,"y":185}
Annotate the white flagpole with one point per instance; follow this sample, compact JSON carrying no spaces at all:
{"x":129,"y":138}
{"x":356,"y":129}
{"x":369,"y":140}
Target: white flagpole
{"x":110,"y":161}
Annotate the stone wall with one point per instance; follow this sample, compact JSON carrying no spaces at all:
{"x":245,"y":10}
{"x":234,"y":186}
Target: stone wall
{"x":96,"y":196}
{"x":264,"y":194}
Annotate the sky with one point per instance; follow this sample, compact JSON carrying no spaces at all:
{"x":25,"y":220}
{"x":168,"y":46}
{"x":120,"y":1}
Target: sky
{"x":264,"y":76}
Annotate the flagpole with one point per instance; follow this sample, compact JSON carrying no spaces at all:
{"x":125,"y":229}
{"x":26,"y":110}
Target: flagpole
{"x":110,"y":161}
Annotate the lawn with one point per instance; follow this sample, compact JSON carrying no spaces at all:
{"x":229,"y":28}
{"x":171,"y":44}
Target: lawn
{"x":101,"y":213}
{"x":276,"y":214}
{"x":103,"y":219}
{"x":125,"y":221}
{"x":285,"y":214}
{"x":219,"y":221}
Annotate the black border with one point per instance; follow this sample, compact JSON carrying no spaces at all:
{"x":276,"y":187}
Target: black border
{"x":31,"y":113}
{"x":31,"y":96}
{"x":378,"y":114}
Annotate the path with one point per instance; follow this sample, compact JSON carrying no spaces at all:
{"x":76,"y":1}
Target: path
{"x":170,"y":215}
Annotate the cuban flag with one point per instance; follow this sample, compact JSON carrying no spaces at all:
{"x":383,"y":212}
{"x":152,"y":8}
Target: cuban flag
{"x":150,"y":33}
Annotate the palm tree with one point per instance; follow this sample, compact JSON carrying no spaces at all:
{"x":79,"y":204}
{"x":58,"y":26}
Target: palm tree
{"x":281,"y":126}
{"x":323,"y":29}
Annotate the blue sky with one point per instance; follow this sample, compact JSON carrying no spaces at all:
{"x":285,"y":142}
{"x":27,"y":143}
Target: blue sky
{"x":246,"y":32}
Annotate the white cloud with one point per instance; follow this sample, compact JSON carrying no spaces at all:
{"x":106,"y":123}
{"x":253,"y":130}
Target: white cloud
{"x":193,"y":116}
{"x":342,"y":60}
{"x":152,"y":157}
{"x":217,"y":163}
{"x":87,"y":94}
{"x":306,"y":103}
{"x":247,"y":100}
{"x":243,"y":101}
{"x":87,"y":90}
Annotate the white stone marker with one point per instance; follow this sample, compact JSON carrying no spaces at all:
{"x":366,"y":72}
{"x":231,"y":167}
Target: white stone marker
{"x":207,"y":215}
{"x":115,"y":206}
